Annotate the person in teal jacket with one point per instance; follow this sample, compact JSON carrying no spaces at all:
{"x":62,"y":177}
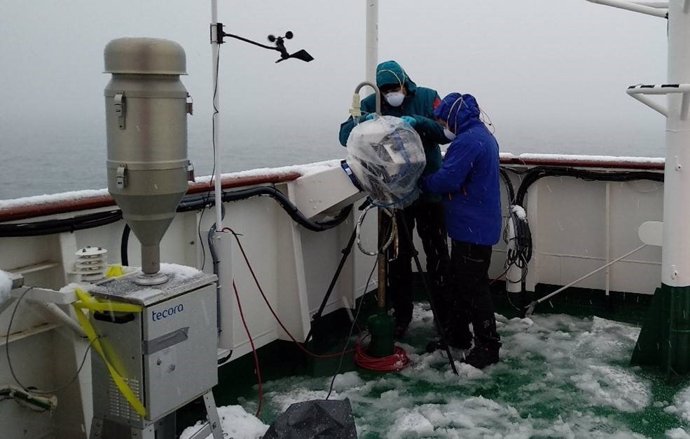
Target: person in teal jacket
{"x":401,"y":97}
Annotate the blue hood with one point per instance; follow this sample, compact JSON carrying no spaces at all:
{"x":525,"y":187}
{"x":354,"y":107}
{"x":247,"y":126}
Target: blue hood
{"x":458,"y":111}
{"x":390,"y":72}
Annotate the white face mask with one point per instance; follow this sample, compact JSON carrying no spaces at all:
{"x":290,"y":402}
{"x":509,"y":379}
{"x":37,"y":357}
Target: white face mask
{"x":449,"y":134}
{"x":395,"y":98}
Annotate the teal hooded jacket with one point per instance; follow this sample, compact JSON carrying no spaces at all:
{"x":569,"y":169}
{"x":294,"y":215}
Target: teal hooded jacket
{"x":420,"y":102}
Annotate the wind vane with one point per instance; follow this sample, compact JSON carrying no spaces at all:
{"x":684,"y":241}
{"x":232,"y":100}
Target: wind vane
{"x":279,"y":44}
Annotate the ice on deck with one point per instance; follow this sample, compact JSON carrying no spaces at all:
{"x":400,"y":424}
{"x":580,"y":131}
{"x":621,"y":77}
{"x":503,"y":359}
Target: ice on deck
{"x":559,"y":377}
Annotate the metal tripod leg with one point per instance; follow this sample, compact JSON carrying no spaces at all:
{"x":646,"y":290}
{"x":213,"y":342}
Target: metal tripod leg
{"x":212,"y":425}
{"x":346,"y":251}
{"x":439,"y":327}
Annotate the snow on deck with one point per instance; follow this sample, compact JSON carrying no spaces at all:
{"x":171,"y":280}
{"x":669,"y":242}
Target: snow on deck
{"x":559,"y":377}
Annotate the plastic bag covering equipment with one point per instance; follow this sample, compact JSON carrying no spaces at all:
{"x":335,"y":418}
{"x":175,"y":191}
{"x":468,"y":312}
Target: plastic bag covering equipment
{"x":387,"y":157}
{"x":317,"y":419}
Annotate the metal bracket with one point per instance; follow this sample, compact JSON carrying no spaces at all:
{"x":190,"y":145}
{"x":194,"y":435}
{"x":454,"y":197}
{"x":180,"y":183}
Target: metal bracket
{"x":212,"y":426}
{"x":639,"y":91}
{"x":190,"y":171}
{"x":121,"y":177}
{"x":216,"y":33}
{"x":120,"y":109}
{"x":190,"y":105}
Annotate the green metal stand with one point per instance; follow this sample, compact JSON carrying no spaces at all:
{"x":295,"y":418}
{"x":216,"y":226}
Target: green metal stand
{"x":381,"y":329}
{"x":665,"y":337}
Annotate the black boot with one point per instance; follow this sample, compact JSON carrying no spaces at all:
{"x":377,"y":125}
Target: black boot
{"x":435,"y":345}
{"x":486,"y":342}
{"x":482,"y":356}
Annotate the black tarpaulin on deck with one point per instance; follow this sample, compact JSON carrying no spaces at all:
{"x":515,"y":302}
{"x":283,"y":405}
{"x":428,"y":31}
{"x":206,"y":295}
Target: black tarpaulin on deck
{"x":318,"y":419}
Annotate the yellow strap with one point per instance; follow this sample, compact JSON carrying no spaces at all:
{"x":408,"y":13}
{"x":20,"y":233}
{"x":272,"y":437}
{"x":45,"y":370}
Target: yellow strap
{"x":91,"y":303}
{"x":87,"y":302}
{"x":109,"y":306}
{"x":114,"y":271}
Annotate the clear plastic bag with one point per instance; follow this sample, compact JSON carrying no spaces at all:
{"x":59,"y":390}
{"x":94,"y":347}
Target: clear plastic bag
{"x":387,"y":157}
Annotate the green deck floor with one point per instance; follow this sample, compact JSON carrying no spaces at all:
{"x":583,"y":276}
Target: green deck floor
{"x":560,"y":375}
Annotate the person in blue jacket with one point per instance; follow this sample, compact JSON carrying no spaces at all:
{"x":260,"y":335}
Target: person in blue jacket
{"x":469,"y":184}
{"x":401,"y":97}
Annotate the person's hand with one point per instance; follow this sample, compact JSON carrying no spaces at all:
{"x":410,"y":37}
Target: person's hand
{"x":410,"y":120}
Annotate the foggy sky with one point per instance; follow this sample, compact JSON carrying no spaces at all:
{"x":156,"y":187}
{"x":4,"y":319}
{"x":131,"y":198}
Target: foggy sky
{"x":551,"y":74}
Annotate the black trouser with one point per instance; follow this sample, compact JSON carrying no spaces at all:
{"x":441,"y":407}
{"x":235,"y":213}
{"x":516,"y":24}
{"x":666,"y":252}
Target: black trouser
{"x":429,"y":218}
{"x":469,"y":285}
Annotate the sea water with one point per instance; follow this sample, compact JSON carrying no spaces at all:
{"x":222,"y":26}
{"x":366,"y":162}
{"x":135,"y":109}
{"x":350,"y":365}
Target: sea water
{"x":71,"y":156}
{"x":559,"y":377}
{"x":53,"y":161}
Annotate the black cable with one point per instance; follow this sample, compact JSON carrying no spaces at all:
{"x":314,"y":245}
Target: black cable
{"x":521,"y":254}
{"x":9,"y":360}
{"x":201,"y":239}
{"x":196,"y":202}
{"x":539,"y":172}
{"x":7,"y":338}
{"x":123,"y":245}
{"x":509,"y":186}
{"x":287,"y":205}
{"x":352,"y":328}
{"x":523,"y":244}
{"x":53,"y":226}
{"x":216,"y":270}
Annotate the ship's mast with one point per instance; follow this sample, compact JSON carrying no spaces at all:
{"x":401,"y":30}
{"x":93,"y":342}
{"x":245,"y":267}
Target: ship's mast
{"x":372,"y":40}
{"x":665,"y":337}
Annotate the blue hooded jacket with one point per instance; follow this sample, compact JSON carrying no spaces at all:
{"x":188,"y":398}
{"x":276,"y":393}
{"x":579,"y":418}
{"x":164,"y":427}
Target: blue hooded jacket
{"x":469,"y":179}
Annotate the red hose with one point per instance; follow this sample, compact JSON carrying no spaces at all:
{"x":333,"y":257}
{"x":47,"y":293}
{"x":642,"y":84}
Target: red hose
{"x":391,"y":363}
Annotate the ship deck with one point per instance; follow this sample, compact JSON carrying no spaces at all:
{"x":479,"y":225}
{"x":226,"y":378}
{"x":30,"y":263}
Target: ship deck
{"x":564,"y":373}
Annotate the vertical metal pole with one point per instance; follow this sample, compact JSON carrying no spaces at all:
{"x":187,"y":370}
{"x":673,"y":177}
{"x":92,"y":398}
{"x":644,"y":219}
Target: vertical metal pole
{"x":222,"y":238}
{"x":665,"y":337}
{"x":372,"y":40}
{"x":381,"y":264}
{"x":676,"y":236}
{"x":608,"y":238}
{"x":372,"y":43}
{"x":216,"y":105}
{"x":675,"y":256}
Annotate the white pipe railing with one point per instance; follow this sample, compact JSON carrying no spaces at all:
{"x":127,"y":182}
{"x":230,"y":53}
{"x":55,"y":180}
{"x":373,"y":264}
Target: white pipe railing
{"x":639,"y":91}
{"x":663,"y":5}
{"x":530,"y":307}
{"x":635,"y":7}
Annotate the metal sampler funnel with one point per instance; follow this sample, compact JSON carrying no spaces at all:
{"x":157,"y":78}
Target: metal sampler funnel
{"x":146,"y":120}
